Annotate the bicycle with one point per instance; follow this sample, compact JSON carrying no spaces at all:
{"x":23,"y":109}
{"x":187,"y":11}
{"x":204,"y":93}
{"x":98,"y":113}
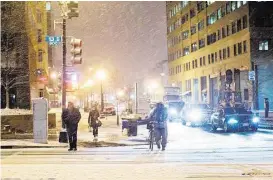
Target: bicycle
{"x":151,"y":135}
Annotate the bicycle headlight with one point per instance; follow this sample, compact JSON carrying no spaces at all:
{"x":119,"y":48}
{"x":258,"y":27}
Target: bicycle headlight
{"x":232,"y":121}
{"x":256,"y":119}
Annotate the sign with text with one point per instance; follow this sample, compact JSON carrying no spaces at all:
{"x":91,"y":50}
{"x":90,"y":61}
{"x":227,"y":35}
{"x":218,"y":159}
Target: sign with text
{"x":251,"y":75}
{"x":54,"y":40}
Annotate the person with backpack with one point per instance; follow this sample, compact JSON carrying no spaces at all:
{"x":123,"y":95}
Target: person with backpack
{"x":159,"y":116}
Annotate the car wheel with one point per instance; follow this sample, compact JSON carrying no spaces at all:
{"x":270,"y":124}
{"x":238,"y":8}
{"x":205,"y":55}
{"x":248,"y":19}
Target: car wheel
{"x":213,"y":128}
{"x":184,"y":123}
{"x":226,"y":127}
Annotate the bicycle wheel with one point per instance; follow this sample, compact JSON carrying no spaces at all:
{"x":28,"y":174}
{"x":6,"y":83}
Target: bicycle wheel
{"x":151,"y":140}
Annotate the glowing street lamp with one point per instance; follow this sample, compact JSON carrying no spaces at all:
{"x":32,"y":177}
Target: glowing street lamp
{"x":53,"y":75}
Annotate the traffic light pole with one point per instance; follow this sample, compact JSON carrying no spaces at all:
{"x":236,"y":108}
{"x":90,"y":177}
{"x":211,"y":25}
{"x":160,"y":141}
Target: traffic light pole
{"x":64,"y":69}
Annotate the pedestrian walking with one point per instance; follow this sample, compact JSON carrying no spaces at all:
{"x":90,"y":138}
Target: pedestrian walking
{"x":71,"y":117}
{"x":94,"y":122}
{"x":159,"y":116}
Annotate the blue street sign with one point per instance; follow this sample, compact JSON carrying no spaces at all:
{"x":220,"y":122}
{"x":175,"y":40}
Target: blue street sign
{"x":53,"y":40}
{"x":251,"y":75}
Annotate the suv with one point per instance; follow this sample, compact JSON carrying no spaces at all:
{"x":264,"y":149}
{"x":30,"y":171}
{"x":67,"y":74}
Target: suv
{"x":109,"y":109}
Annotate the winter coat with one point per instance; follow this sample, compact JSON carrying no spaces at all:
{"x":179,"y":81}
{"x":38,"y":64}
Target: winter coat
{"x":159,"y":116}
{"x":93,"y":117}
{"x":71,"y":120}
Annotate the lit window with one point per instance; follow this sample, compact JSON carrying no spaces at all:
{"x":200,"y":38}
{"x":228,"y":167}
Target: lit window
{"x":219,"y":13}
{"x":233,"y":5}
{"x":201,"y":25}
{"x":193,"y":47}
{"x":211,"y":19}
{"x":263,"y":45}
{"x":185,"y":35}
{"x":48,"y":6}
{"x":186,"y":50}
{"x":210,"y":2}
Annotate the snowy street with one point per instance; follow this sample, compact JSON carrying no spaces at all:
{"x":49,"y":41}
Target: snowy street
{"x":191,"y":153}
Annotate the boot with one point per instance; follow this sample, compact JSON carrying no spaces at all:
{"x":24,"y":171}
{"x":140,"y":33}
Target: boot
{"x":158,"y":145}
{"x":70,"y":147}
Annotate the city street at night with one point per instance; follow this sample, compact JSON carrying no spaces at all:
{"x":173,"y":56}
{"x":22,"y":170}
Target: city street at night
{"x":138,"y":90}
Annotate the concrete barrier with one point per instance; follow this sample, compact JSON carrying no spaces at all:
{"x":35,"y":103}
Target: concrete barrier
{"x":23,"y":123}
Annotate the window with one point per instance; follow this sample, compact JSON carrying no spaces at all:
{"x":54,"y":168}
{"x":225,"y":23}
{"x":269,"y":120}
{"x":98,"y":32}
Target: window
{"x":39,"y":34}
{"x":235,"y":50}
{"x":233,"y":27}
{"x":228,"y":52}
{"x":192,"y":12}
{"x":201,"y":43}
{"x":212,"y":58}
{"x":201,"y":25}
{"x":188,"y":85}
{"x":245,"y":48}
{"x":223,"y":32}
{"x":239,"y":25}
{"x":219,"y":34}
{"x":192,"y":64}
{"x":209,"y":58}
{"x":193,"y":47}
{"x":204,"y":60}
{"x":211,"y":19}
{"x":228,"y":7}
{"x":201,"y":61}
{"x":224,"y":53}
{"x":193,"y":29}
{"x":223,"y":11}
{"x":186,"y":51}
{"x":240,"y":48}
{"x":200,"y":6}
{"x":228,"y":30}
{"x":263,"y":45}
{"x":210,"y":2}
{"x":219,"y":13}
{"x":233,"y":5}
{"x":246,"y":95}
{"x":244,"y":22}
{"x":215,"y":55}
{"x":196,"y":65}
{"x":239,"y":4}
{"x":39,"y":16}
{"x":189,"y":66}
{"x":220,"y":54}
{"x":185,"y":35}
{"x":40,"y":55}
{"x":211,"y":38}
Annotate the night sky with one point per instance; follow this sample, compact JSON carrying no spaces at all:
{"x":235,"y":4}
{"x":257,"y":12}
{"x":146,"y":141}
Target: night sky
{"x":126,"y":37}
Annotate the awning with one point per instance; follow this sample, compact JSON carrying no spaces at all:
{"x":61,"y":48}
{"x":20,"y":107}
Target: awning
{"x":186,"y":93}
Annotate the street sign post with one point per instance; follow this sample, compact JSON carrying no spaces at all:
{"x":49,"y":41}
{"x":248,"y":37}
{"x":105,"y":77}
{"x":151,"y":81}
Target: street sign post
{"x":251,"y":75}
{"x":40,"y":120}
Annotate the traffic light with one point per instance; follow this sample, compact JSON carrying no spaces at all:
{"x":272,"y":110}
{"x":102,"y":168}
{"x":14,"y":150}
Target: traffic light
{"x":73,"y":10}
{"x":76,"y":51}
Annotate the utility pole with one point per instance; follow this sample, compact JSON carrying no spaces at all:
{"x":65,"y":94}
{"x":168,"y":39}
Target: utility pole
{"x":64,"y":69}
{"x":136,"y":98}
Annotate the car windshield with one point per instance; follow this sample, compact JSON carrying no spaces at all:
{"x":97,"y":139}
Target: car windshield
{"x":229,"y":111}
{"x":241,"y":110}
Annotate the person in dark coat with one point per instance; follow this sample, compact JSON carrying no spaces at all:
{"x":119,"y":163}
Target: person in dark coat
{"x":92,"y":121}
{"x":159,"y":116}
{"x":71,"y":117}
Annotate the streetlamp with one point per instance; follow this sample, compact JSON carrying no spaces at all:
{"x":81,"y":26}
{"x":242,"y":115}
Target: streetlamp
{"x":101,"y":75}
{"x":119,"y":94}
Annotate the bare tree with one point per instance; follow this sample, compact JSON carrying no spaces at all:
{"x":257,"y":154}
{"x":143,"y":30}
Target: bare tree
{"x":14,"y":47}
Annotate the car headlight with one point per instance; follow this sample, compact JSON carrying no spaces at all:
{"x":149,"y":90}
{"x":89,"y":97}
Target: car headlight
{"x":232,"y":121}
{"x":256,"y":119}
{"x":173,"y":111}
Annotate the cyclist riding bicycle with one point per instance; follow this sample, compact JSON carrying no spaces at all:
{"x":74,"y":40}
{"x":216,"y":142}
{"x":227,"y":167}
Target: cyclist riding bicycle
{"x":159,"y":118}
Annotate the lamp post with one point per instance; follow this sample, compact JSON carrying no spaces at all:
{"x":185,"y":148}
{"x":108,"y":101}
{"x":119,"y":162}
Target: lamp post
{"x":101,"y":75}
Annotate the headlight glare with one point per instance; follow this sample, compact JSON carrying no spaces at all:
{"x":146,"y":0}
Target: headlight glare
{"x":232,"y":121}
{"x":256,"y":119}
{"x":173,"y":111}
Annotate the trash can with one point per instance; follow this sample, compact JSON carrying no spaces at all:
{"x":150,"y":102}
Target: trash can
{"x":132,"y":127}
{"x":125,"y":124}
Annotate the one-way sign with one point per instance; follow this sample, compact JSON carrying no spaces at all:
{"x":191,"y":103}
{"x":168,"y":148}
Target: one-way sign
{"x":251,"y":75}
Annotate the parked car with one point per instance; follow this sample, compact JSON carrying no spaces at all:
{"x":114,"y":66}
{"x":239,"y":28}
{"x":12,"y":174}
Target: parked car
{"x":109,"y":109}
{"x":234,"y":119}
{"x":196,"y":114}
{"x":174,"y":110}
